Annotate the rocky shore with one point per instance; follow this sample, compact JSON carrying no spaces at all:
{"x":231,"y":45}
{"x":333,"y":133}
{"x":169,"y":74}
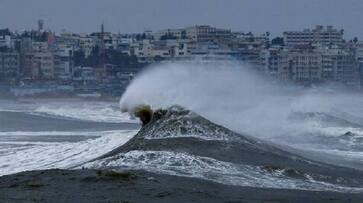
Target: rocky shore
{"x":139,"y":186}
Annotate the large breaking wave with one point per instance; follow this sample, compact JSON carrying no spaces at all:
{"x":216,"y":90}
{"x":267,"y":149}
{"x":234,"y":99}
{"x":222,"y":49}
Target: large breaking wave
{"x":233,"y":95}
{"x":179,"y":142}
{"x":287,"y":136}
{"x":214,"y":120}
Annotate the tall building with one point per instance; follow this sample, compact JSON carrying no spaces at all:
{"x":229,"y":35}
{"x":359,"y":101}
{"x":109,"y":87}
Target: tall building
{"x":271,"y":61}
{"x":63,"y":61}
{"x":9,"y":65}
{"x":340,"y":65}
{"x":86,"y":44}
{"x":299,"y":65}
{"x":201,"y":33}
{"x":319,"y":35}
{"x":5,"y":38}
{"x":359,"y":59}
{"x":314,"y":65}
{"x":38,"y":65}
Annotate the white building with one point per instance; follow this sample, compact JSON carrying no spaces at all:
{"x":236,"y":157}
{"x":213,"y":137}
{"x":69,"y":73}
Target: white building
{"x":150,"y":51}
{"x":177,"y":33}
{"x":39,"y":46}
{"x":5,"y":38}
{"x":63,"y":61}
{"x":314,"y":65}
{"x":86,"y":45}
{"x":340,"y":65}
{"x":43,"y":65}
{"x":68,"y":38}
{"x":270,"y":60}
{"x":319,"y":35}
{"x":306,"y":66}
{"x":38,"y":65}
{"x":201,"y":33}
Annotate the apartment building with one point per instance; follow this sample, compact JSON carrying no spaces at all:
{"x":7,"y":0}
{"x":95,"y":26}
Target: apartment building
{"x":201,"y":33}
{"x":86,"y":45}
{"x":270,"y":60}
{"x":170,"y":33}
{"x":38,"y":65}
{"x":294,"y":65}
{"x":150,"y":51}
{"x":39,"y":46}
{"x":359,"y":60}
{"x":5,"y":38}
{"x":306,"y":66}
{"x":314,"y":65}
{"x":319,"y":35}
{"x":9,"y":65}
{"x":340,"y":65}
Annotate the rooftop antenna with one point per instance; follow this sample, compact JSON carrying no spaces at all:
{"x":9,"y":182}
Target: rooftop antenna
{"x":40,"y":25}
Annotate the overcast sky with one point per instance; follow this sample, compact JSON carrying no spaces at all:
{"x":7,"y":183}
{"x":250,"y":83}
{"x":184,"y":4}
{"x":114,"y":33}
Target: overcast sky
{"x":257,"y":16}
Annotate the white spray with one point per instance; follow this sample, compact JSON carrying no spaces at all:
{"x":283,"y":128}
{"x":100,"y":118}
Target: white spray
{"x":232,"y":95}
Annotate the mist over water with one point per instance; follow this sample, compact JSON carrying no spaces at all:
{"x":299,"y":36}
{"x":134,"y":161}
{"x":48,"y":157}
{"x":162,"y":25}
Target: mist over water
{"x":231,"y":94}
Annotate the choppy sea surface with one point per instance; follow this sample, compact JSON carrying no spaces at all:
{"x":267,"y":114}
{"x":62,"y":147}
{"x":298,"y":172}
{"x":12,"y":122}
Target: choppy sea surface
{"x":43,"y":134}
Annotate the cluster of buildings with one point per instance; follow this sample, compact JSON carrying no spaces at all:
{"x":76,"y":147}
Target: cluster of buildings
{"x":307,"y":56}
{"x":317,"y":55}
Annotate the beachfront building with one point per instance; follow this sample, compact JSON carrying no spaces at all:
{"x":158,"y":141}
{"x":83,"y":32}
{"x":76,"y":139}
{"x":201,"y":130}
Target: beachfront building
{"x":340,"y":65}
{"x":9,"y":65}
{"x":63,"y":61}
{"x":38,"y":65}
{"x":270,"y":60}
{"x":314,"y":65}
{"x":359,"y":60}
{"x":305,"y":66}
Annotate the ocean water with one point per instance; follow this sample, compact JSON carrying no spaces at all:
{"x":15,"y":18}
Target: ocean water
{"x":42,"y":134}
{"x":182,"y":143}
{"x":323,"y":123}
{"x":229,"y":126}
{"x":320,"y":127}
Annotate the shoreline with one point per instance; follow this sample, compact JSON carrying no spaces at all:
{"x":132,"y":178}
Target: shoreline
{"x":63,"y":97}
{"x":56,"y":185}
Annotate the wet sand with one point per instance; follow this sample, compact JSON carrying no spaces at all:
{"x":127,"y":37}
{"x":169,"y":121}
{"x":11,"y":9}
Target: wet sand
{"x":140,"y":186}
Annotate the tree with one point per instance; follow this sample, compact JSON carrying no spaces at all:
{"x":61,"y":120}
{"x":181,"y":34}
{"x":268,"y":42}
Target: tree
{"x":278,"y":41}
{"x":94,"y":59}
{"x":158,"y":58}
{"x":183,"y":34}
{"x":168,"y":36}
{"x":355,"y":40}
{"x":79,"y":58}
{"x":4,"y":49}
{"x":140,"y":37}
{"x":112,"y":56}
